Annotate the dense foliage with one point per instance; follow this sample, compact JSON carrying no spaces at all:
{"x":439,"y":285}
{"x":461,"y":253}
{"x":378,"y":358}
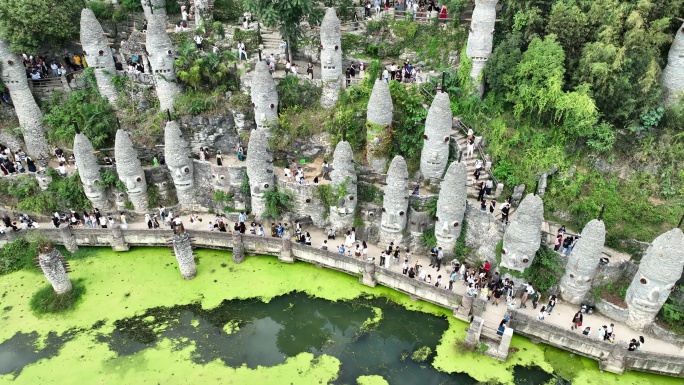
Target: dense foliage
{"x":277,"y":203}
{"x":16,"y":255}
{"x":296,"y":93}
{"x":46,"y":301}
{"x":62,"y":193}
{"x":545,"y":271}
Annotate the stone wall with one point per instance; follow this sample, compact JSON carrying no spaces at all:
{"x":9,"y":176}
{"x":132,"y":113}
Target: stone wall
{"x":305,"y":205}
{"x":216,"y":132}
{"x":483,"y":234}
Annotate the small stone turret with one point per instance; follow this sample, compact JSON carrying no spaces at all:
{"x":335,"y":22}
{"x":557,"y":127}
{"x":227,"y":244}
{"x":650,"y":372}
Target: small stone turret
{"x":130,"y":171}
{"x":481,"y":39}
{"x":264,"y":97}
{"x":395,"y":202}
{"x":523,"y":236}
{"x":179,"y":162}
{"x":451,"y":206}
{"x":98,"y":55}
{"x":435,"y":153}
{"x":182,"y":248}
{"x":659,"y":270}
{"x":331,"y":58}
{"x":28,"y":113}
{"x":673,"y":74}
{"x":54,"y":268}
{"x":161,"y":53}
{"x":379,"y":116}
{"x":583,"y":262}
{"x":344,"y":179}
{"x":259,"y":170}
{"x":89,"y":172}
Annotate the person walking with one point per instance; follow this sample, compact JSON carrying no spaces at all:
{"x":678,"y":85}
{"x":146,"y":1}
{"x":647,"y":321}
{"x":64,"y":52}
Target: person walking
{"x":542,"y":313}
{"x":577,"y":320}
{"x":440,"y":257}
{"x":551,"y":304}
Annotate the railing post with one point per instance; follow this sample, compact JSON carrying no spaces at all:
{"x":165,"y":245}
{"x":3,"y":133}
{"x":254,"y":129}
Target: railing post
{"x":368,"y":277}
{"x":474,"y":331}
{"x":118,"y":242}
{"x":238,"y":248}
{"x":68,"y":239}
{"x":463,"y":311}
{"x":286,"y":251}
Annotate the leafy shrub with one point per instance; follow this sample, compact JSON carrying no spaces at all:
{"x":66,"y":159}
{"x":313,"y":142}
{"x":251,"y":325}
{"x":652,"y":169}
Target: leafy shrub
{"x":545,"y":271}
{"x":277,"y":203}
{"x":16,"y":255}
{"x":295,"y":93}
{"x":131,"y":5}
{"x":205,"y":71}
{"x":102,"y":10}
{"x":428,"y":238}
{"x":228,"y":11}
{"x":46,"y":301}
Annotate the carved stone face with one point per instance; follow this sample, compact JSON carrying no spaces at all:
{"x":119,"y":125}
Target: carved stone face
{"x":135,"y":184}
{"x":220,"y":178}
{"x":176,"y":152}
{"x":446,"y":231}
{"x":393,"y":221}
{"x":182,"y":176}
{"x":91,"y":189}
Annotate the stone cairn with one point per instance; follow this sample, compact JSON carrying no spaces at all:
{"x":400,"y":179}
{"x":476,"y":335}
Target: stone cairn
{"x":435,"y":154}
{"x":659,"y":270}
{"x":343,"y":177}
{"x":331,"y":58}
{"x":451,"y":206}
{"x":89,"y":172}
{"x":395,"y":202}
{"x":130,"y":171}
{"x":182,"y":248}
{"x":55,"y":268}
{"x":379,"y":116}
{"x":481,"y":39}
{"x":583,"y":262}
{"x":673,"y":74}
{"x":179,"y":162}
{"x":29,"y":115}
{"x":98,"y":54}
{"x":264,"y":97}
{"x":161,"y":53}
{"x":522,"y":238}
{"x":259,"y":170}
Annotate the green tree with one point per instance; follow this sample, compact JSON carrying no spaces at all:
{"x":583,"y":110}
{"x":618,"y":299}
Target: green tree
{"x":569,"y":23}
{"x":502,"y":64}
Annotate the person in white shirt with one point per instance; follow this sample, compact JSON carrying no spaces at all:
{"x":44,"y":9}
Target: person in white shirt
{"x":198,"y":41}
{"x":55,"y":69}
{"x":242,"y":50}
{"x":62,"y":169}
{"x":184,"y":14}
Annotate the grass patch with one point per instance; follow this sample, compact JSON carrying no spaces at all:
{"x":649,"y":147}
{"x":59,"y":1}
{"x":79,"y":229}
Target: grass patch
{"x":46,"y":301}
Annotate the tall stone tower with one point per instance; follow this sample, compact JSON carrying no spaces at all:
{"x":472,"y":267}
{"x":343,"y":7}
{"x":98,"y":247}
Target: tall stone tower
{"x":435,"y":153}
{"x":331,"y":58}
{"x":30,"y":117}
{"x":160,"y":51}
{"x":130,"y":171}
{"x":89,"y":172}
{"x":343,"y":174}
{"x":54,"y":268}
{"x":379,"y":116}
{"x":451,"y":206}
{"x":179,"y":162}
{"x":659,"y":270}
{"x":673,"y":74}
{"x":264,"y":97}
{"x":583,"y":262}
{"x":98,"y":54}
{"x":182,"y":248}
{"x":395,"y":202}
{"x":522,"y":238}
{"x":259,"y":170}
{"x":481,"y":39}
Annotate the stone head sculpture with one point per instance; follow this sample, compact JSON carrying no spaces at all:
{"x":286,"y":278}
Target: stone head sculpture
{"x":451,"y":205}
{"x":98,"y":54}
{"x":435,"y":153}
{"x":522,"y":238}
{"x":220,"y":178}
{"x":89,"y":172}
{"x":343,"y":179}
{"x":380,"y":108}
{"x":128,"y":166}
{"x":259,"y":169}
{"x":395,"y":202}
{"x":177,"y":153}
{"x":331,"y":46}
{"x":264,"y":96}
{"x":583,"y":262}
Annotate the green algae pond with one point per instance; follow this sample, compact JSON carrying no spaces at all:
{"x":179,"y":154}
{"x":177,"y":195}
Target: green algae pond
{"x":260,"y":321}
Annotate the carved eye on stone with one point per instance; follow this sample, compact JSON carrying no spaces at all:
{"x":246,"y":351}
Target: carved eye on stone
{"x":121,"y":195}
{"x":96,"y":181}
{"x":272,"y":106}
{"x":308,"y":200}
{"x":253,"y":105}
{"x":351,"y":197}
{"x":186,"y":170}
{"x":572,"y":275}
{"x":503,"y":251}
{"x":643,"y":281}
{"x":266,"y":185}
{"x":320,"y":47}
{"x":222,"y":177}
{"x":138,"y":179}
{"x":525,"y":260}
{"x":213,"y":176}
{"x":455,"y":224}
{"x":401,"y":213}
{"x":436,"y":218}
{"x":413,"y":223}
{"x":164,"y":184}
{"x":384,"y":210}
{"x":372,"y":214}
{"x":101,"y":52}
{"x":446,"y":139}
{"x":425,"y":137}
{"x":85,"y":53}
{"x":336,"y":48}
{"x":169,"y":52}
{"x":10,"y":62}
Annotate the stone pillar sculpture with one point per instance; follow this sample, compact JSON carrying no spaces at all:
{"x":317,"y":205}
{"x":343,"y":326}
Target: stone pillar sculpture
{"x":522,"y":238}
{"x":182,"y":248}
{"x":659,"y":270}
{"x":161,"y":54}
{"x":89,"y":172}
{"x":179,"y":162}
{"x":29,"y":115}
{"x":481,"y":39}
{"x":286,"y":250}
{"x":238,"y":248}
{"x":259,"y":170}
{"x":118,"y":241}
{"x":435,"y":153}
{"x":395,"y":202}
{"x":379,"y":116}
{"x":130,"y":171}
{"x":464,"y":312}
{"x":451,"y":206}
{"x":583,"y":262}
{"x":368,"y":274}
{"x":673,"y":74}
{"x":54,"y":268}
{"x":343,"y":178}
{"x":331,"y":58}
{"x":264,"y":97}
{"x":68,"y":239}
{"x":98,"y":55}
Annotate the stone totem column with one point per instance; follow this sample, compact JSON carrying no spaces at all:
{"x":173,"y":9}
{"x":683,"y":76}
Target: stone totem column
{"x":435,"y":153}
{"x":379,"y":116}
{"x":29,"y":115}
{"x":99,"y":55}
{"x":259,"y":170}
{"x":659,"y":270}
{"x":286,"y":251}
{"x":343,"y":177}
{"x":464,"y":312}
{"x":118,"y":241}
{"x":331,"y":58}
{"x":522,"y":238}
{"x":160,"y":50}
{"x":615,"y":361}
{"x":52,"y":263}
{"x":481,"y":39}
{"x":368,"y":276}
{"x":179,"y":162}
{"x":68,"y":239}
{"x":182,"y":248}
{"x":395,"y":202}
{"x":89,"y":172}
{"x":451,"y":206}
{"x":130,"y":171}
{"x":673,"y":74}
{"x":583,"y":262}
{"x":238,"y":248}
{"x":264,"y":97}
